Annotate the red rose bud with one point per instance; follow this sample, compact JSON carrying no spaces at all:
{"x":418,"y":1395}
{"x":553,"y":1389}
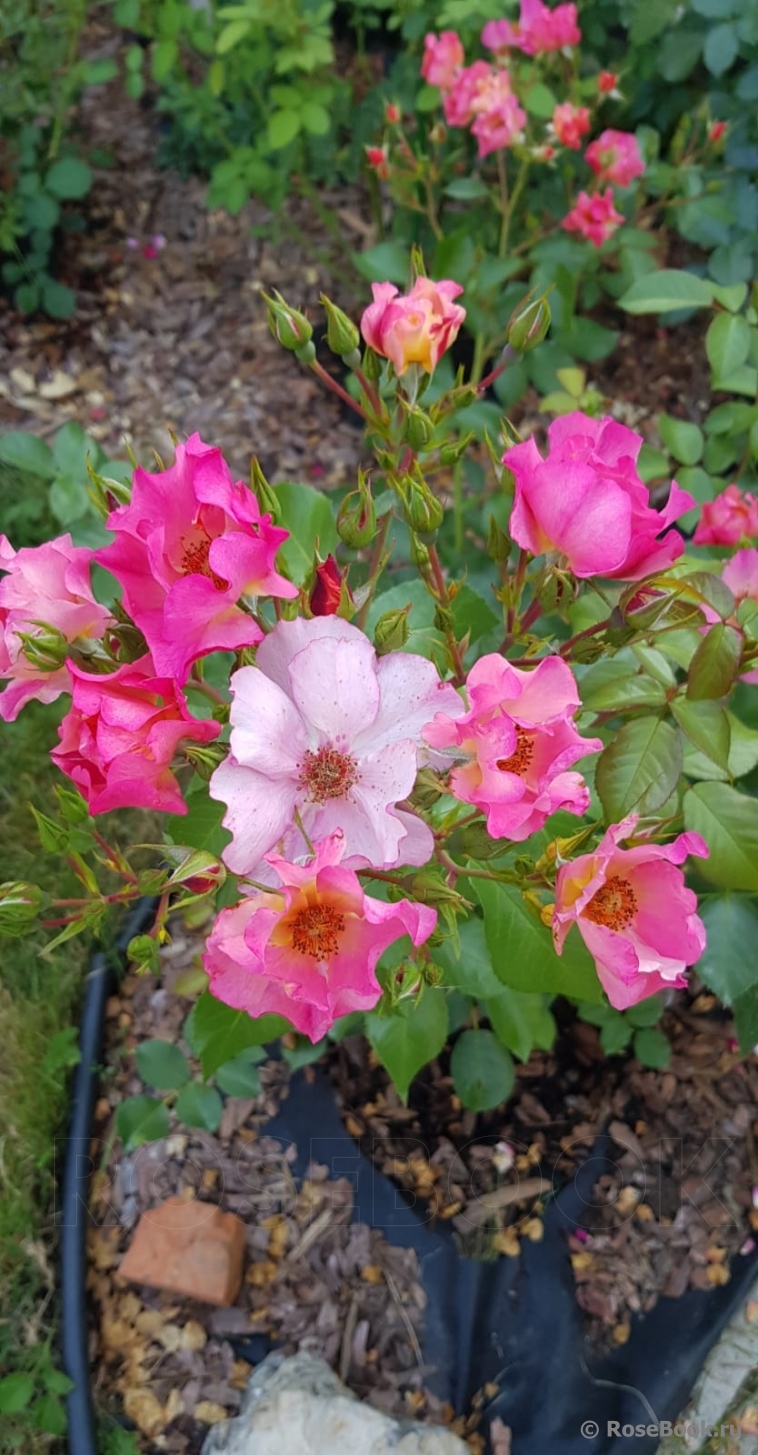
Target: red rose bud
{"x":392,"y":113}
{"x":606,"y":82}
{"x":326,"y":592}
{"x":717,"y":130}
{"x":378,"y":160}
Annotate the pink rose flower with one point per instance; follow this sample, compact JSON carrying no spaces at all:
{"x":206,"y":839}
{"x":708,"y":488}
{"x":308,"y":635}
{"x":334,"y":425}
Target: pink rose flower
{"x":308,"y":950}
{"x":587,"y":501}
{"x":517,"y":742}
{"x":741,"y":576}
{"x":190,"y":543}
{"x":728,"y":519}
{"x":615,"y":157}
{"x":595,"y":217}
{"x":633,"y":911}
{"x":118,"y":740}
{"x":570,"y":123}
{"x":322,"y":726}
{"x":443,"y":58}
{"x":51,"y":584}
{"x":539,"y":29}
{"x":498,"y":118}
{"x":458,"y":103}
{"x":413,"y":328}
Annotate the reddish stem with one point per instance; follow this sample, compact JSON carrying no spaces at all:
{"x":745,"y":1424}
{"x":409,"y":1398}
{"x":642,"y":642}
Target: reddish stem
{"x":336,"y":388}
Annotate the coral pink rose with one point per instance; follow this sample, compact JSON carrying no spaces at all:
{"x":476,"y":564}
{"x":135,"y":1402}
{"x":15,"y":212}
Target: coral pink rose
{"x":728,"y":519}
{"x":191,"y":543}
{"x":633,"y":911}
{"x":498,"y":118}
{"x":324,"y":727}
{"x":570,"y":123}
{"x":516,"y":744}
{"x":594,"y":216}
{"x":615,"y":157}
{"x":308,"y":949}
{"x":118,"y":741}
{"x":539,"y":29}
{"x":587,"y":502}
{"x":443,"y":58}
{"x":50,"y":584}
{"x":413,"y":328}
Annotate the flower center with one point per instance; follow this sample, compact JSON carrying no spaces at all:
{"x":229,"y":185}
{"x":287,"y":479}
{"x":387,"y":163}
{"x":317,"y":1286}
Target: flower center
{"x":316,"y":931}
{"x":613,"y":904}
{"x":194,"y":559}
{"x":520,"y":759}
{"x":327,"y":773}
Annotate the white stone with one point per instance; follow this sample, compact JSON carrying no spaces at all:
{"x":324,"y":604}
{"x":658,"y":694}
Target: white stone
{"x":299,"y":1405}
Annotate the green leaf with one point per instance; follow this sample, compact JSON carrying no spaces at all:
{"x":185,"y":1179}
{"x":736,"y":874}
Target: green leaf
{"x":162,"y":1065}
{"x":240,"y":1076}
{"x":539,"y":101}
{"x":200,"y":827}
{"x":71,"y":447}
{"x":69,"y":178}
{"x":732,"y":296}
{"x":163,"y":56}
{"x":58,"y":300}
{"x":310,"y":520}
{"x":471,"y":613}
{"x":315,"y":118}
{"x":615,"y":1034}
{"x":721,"y":48}
{"x":199,"y":1106}
{"x":653,"y":1049}
{"x":16,"y":1391}
{"x":217,"y":1033}
{"x":646,"y":1012}
{"x":231,"y":34}
{"x":521,"y":948}
{"x":49,"y":1414}
{"x":57,"y":1382}
{"x":410,"y":1037}
{"x":387,"y":262}
{"x":743,"y":754}
{"x":482,"y":1070}
{"x":472,"y":971}
{"x":423,"y":636}
{"x":26,"y":297}
{"x":728,"y":964}
{"x":727,"y":344}
{"x":283,"y":127}
{"x":68,"y":499}
{"x":707,"y":726}
{"x":141,"y":1119}
{"x":521,"y":1021}
{"x":26,"y":452}
{"x":640,"y":769}
{"x":728,"y":821}
{"x":304,"y":1052}
{"x":683,"y":440}
{"x":667,"y":291}
{"x":746,"y":1019}
{"x":467,"y":189}
{"x":715,"y":663}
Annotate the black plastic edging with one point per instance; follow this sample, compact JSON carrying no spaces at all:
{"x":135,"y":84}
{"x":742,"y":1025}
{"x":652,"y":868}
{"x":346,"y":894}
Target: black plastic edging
{"x":77,"y":1170}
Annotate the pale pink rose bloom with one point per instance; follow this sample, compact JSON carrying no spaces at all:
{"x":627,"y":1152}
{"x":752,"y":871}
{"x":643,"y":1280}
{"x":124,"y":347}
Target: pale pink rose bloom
{"x":633,"y":911}
{"x":458,"y":103}
{"x":190,"y":543}
{"x":728,"y":519}
{"x":443,"y":58}
{"x":118,"y":740}
{"x":308,"y":950}
{"x":741,"y":576}
{"x":51,"y":584}
{"x":587,"y":502}
{"x":323,"y":726}
{"x":516,"y":744}
{"x":594,"y":216}
{"x":539,"y":29}
{"x":615,"y":156}
{"x":413,"y":328}
{"x":498,"y":118}
{"x":570,"y":123}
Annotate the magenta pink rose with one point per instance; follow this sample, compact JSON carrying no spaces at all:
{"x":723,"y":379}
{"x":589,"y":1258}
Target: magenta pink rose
{"x":49,"y":584}
{"x":615,"y":156}
{"x":587,"y":503}
{"x":498,"y":119}
{"x":458,"y":103}
{"x":323,"y":726}
{"x":516,"y":745}
{"x":539,"y":30}
{"x":413,"y":328}
{"x":570,"y":123}
{"x":730,"y":518}
{"x":594,"y":216}
{"x":308,"y":949}
{"x":633,"y":911}
{"x":189,"y":545}
{"x":118,"y":740}
{"x":443,"y":58}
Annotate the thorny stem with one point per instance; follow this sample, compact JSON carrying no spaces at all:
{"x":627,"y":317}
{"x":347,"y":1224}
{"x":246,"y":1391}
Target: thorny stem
{"x":374,"y":566}
{"x":589,"y":631}
{"x":466,"y":872}
{"x":443,"y":596}
{"x":507,"y":357}
{"x":336,"y":388}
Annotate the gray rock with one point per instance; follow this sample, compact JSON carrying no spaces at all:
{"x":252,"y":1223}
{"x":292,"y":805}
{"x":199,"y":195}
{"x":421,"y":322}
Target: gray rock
{"x":299,"y":1404}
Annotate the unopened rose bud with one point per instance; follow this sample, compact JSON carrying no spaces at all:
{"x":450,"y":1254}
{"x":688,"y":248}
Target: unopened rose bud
{"x":290,"y":328}
{"x":438,"y":134}
{"x":607,"y":82}
{"x":391,"y":631}
{"x":431,"y":888}
{"x":327,"y":590}
{"x":451,"y":453}
{"x":477,"y":843}
{"x":554,"y":590}
{"x":420,"y":556}
{"x":643,"y":606}
{"x":423,"y":511}
{"x":528,"y":324}
{"x":392,"y":113}
{"x":356,"y":518}
{"x":342,"y":334}
{"x":264,"y":493}
{"x":379,"y":162}
{"x":418,"y":427}
{"x":20,"y":904}
{"x":46,"y":648}
{"x":717,"y":131}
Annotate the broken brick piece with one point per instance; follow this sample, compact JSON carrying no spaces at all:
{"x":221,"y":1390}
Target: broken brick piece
{"x":190,"y":1248}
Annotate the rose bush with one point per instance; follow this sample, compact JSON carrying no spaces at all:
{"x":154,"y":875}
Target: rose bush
{"x":405,"y":771}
